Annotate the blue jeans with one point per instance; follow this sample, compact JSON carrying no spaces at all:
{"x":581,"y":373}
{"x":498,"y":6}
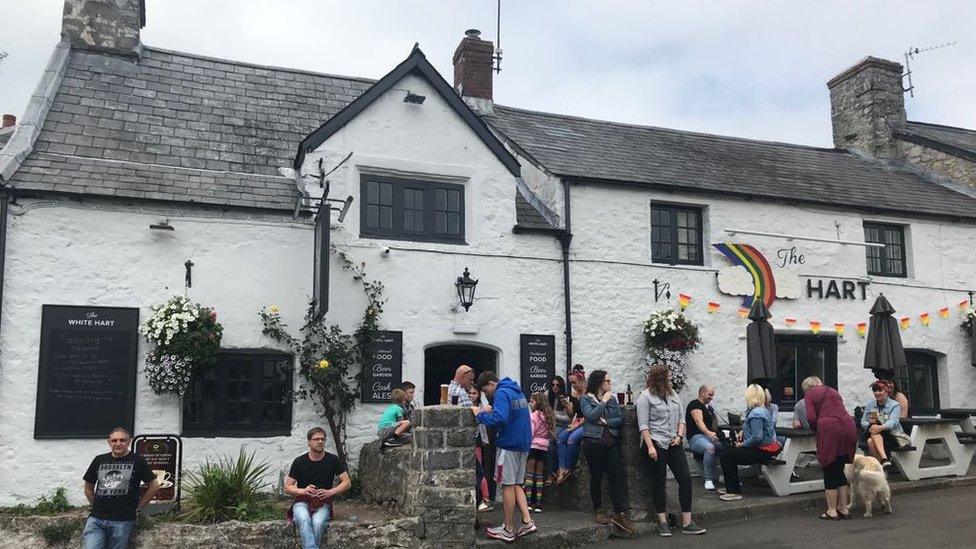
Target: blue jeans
{"x":107,"y":534}
{"x":551,"y":456}
{"x":568,"y":448}
{"x":310,"y":528}
{"x":700,"y":444}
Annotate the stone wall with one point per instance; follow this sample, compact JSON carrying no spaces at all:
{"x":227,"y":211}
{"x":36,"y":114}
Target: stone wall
{"x":433,"y":478}
{"x":105,"y":25}
{"x":951,"y":167}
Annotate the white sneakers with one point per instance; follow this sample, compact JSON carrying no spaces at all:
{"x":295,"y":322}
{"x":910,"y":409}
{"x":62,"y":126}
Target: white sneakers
{"x":709,"y":485}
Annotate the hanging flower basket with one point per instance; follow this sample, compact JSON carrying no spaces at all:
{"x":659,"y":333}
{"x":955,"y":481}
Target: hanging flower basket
{"x":668,"y":337}
{"x":185,"y":338}
{"x":969,"y":317}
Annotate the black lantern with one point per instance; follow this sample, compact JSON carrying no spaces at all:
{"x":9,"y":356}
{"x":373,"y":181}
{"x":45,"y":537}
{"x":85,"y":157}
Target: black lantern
{"x":465,"y":288}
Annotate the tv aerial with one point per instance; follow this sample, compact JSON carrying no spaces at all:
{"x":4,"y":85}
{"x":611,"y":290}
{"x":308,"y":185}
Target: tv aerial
{"x":497,"y":57}
{"x":909,"y":55}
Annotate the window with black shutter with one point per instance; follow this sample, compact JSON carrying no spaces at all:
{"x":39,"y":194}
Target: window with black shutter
{"x":247,"y":393}
{"x":676,"y":234}
{"x":889,"y":260}
{"x":401,"y":209}
{"x":798,"y":357}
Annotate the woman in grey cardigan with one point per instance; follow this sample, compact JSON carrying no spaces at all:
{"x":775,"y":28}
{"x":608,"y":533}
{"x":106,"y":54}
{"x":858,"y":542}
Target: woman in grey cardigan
{"x":660,"y":419}
{"x":600,"y":434}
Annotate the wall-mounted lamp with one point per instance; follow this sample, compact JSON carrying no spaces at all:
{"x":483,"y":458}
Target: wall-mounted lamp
{"x":414,"y":98}
{"x":162,"y":226}
{"x":465,"y":288}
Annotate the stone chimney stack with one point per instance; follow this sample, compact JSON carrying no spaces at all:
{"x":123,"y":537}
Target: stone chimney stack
{"x":473,"y":68}
{"x":9,"y":121}
{"x":104,"y":25}
{"x":867,"y":103}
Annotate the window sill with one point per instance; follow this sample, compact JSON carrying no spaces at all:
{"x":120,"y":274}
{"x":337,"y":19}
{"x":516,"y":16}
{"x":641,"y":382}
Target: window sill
{"x":451,"y":241}
{"x":236,"y":434}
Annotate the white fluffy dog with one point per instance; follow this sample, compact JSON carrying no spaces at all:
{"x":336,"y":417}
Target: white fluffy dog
{"x":868,"y":483}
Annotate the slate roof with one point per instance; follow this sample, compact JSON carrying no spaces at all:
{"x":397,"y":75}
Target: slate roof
{"x":5,"y":136}
{"x":527,"y":218}
{"x":672,"y":159}
{"x":956,"y":141}
{"x":180,"y":127}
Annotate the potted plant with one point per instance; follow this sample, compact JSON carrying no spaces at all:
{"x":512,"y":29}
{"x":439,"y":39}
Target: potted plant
{"x":185,"y":338}
{"x":668,"y":337}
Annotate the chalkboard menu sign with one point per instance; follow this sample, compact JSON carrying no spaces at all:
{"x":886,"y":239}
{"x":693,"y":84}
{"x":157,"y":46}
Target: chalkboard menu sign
{"x":87,"y":371}
{"x":164,"y":455}
{"x":383,"y":367}
{"x":538,"y":362}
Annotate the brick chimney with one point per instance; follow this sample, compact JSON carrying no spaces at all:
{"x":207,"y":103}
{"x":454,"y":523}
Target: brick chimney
{"x":867,"y":103}
{"x":9,"y":121}
{"x":473,"y":68}
{"x":104,"y":25}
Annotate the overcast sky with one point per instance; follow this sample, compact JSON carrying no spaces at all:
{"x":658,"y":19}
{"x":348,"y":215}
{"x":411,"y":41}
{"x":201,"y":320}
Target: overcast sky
{"x":751,"y":69}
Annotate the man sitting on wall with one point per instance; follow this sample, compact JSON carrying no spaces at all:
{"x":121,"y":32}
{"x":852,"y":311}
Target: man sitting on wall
{"x":509,"y":416}
{"x":457,"y":391}
{"x":112,"y":488}
{"x":310,"y":481}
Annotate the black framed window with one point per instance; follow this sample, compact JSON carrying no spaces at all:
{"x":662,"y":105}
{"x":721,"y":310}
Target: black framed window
{"x":798,"y":357}
{"x":920,"y":382}
{"x":890,"y":260}
{"x":247,"y":393}
{"x":402,"y":209}
{"x":676,"y":234}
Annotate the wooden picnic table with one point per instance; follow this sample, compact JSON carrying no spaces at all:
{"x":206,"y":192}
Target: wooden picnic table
{"x":922,"y":429}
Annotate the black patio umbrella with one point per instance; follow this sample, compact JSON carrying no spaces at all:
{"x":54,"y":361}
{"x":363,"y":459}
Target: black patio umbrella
{"x":884,"y":354}
{"x":760,"y":345}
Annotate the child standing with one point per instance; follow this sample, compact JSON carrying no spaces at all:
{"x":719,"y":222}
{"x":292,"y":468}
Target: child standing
{"x":543,"y":427}
{"x":394,"y":428}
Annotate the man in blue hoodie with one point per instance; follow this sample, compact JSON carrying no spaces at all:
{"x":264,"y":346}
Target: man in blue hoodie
{"x":508,"y":415}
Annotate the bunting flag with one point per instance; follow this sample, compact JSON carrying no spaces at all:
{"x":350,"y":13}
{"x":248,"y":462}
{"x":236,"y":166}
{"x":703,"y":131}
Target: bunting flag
{"x":963,"y":305}
{"x":906,"y":321}
{"x":862,"y":328}
{"x":789,"y":322}
{"x":683,"y":301}
{"x":840,"y":328}
{"x":815,"y":326}
{"x":743,"y":312}
{"x":944,"y":312}
{"x":924,"y":317}
{"x":713,"y":307}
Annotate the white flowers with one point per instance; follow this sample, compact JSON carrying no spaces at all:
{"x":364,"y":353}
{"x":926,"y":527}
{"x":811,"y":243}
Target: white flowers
{"x":171,"y":374}
{"x":169,"y":319}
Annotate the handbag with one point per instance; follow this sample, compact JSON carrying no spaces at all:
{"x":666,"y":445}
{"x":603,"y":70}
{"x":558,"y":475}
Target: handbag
{"x":773,"y":447}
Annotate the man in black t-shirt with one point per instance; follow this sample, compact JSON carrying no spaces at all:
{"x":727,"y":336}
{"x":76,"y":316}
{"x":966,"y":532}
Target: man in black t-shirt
{"x":310,"y":481}
{"x":703,"y":437}
{"x":112,"y":487}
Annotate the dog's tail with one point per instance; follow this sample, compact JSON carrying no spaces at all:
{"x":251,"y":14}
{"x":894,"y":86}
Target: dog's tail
{"x":877,"y":476}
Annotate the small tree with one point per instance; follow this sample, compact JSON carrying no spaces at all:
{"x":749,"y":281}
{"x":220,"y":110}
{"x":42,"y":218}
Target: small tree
{"x":326,"y":354}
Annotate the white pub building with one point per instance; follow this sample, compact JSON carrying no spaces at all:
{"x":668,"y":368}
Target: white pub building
{"x":138,"y":173}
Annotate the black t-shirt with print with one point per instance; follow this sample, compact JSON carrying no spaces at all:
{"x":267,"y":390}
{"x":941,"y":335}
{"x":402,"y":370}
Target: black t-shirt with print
{"x":117,"y":483}
{"x":321,"y":473}
{"x":708,"y":417}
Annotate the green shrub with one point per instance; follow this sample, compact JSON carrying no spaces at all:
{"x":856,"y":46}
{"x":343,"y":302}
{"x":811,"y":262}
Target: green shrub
{"x":60,"y":532}
{"x":58,"y":503}
{"x":226,"y":489}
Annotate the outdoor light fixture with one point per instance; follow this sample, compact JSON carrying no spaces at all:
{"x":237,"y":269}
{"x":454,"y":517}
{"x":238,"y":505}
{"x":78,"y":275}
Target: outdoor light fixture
{"x":414,"y":98}
{"x":465,"y":288}
{"x":162,"y":226}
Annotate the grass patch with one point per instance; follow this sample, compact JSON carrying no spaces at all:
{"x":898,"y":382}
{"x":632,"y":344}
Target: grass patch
{"x":61,"y":532}
{"x":46,"y":506}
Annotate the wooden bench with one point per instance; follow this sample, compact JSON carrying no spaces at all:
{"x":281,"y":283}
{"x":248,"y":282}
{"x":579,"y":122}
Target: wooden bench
{"x":923,"y":429}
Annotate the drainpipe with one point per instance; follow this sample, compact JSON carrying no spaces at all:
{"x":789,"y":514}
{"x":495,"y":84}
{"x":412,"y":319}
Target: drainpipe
{"x":3,"y":243}
{"x":565,"y":238}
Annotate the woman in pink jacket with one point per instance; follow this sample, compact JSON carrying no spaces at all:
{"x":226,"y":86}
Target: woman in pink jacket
{"x":543,"y":428}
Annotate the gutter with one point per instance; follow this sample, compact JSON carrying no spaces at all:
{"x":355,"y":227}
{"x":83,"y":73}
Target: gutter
{"x":565,"y":238}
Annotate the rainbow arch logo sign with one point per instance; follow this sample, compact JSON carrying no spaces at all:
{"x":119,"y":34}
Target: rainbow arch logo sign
{"x":752,"y":277}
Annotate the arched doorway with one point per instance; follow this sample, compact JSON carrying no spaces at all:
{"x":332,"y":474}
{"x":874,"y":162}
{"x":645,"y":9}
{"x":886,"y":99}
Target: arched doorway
{"x":440,"y":362}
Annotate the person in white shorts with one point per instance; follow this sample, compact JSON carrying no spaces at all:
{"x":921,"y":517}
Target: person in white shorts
{"x":508,"y":415}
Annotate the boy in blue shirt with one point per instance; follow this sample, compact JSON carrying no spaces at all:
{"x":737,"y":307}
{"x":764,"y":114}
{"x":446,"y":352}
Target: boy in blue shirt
{"x":394,"y":428}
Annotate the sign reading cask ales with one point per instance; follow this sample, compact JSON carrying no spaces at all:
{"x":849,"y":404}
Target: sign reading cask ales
{"x":382,"y":367}
{"x":87,"y":371}
{"x":537,"y":358}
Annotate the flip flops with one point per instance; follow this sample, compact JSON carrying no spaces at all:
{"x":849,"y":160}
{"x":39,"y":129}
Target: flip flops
{"x":825,"y":516}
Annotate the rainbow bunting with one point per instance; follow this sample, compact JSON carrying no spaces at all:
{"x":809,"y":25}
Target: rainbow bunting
{"x":963,"y":305}
{"x":744,"y":255}
{"x":815,"y":326}
{"x":862,"y":328}
{"x":789,"y":321}
{"x":683,"y":301}
{"x":944,"y":312}
{"x":905,"y":322}
{"x":713,"y":307}
{"x":924,"y":317}
{"x":840,"y":328}
{"x":743,"y":312}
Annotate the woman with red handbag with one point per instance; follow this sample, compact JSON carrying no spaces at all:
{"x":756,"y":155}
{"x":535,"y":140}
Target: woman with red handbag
{"x":758,"y":445}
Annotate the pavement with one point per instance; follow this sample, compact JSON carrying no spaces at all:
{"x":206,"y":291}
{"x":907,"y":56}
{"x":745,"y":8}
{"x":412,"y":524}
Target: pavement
{"x":562,"y":528}
{"x":931,"y":519}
